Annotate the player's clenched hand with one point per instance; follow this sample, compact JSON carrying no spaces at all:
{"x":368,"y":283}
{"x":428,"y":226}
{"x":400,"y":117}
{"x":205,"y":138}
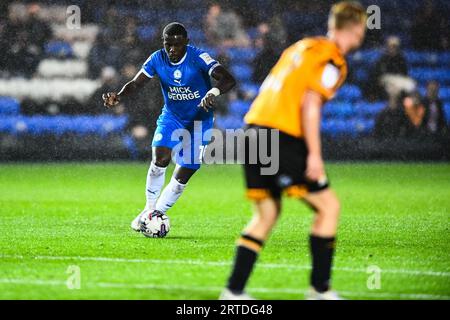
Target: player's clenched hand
{"x":207,"y":101}
{"x":110,"y":99}
{"x":315,"y":170}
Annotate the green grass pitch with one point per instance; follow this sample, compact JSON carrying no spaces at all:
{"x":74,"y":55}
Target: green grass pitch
{"x":60,"y":219}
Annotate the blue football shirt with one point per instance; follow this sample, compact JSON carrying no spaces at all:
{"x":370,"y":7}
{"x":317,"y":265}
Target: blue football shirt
{"x":184,"y":83}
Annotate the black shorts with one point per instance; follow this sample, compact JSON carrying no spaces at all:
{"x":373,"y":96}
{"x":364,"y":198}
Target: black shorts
{"x":262,"y":178}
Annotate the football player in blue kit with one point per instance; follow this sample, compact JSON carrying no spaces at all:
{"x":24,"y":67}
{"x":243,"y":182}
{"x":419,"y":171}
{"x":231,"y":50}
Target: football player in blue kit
{"x":184,"y":73}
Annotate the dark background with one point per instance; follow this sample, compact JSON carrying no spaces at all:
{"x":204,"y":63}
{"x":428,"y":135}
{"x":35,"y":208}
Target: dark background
{"x":52,"y":77}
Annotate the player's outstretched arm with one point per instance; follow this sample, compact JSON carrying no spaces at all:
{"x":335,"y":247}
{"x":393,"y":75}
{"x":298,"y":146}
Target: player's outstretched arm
{"x":225,"y":82}
{"x":311,"y":115}
{"x":111,"y":99}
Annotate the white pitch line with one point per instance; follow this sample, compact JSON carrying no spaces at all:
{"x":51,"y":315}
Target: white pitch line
{"x":223,"y":264}
{"x":300,"y":292}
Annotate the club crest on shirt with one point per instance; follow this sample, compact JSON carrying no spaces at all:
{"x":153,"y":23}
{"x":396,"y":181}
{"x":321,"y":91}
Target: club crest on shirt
{"x":177,"y":74}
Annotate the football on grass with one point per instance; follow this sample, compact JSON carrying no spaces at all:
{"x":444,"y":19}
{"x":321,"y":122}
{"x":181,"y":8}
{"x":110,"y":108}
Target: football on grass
{"x":156,"y":225}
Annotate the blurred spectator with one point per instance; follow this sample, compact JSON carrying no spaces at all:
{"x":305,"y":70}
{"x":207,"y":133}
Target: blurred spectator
{"x":414,"y":111}
{"x":224,"y":28}
{"x":105,"y":52}
{"x":4,"y":4}
{"x":20,"y":59}
{"x":40,"y":30}
{"x":3,"y":44}
{"x":271,"y":41}
{"x":387,"y":121}
{"x":392,"y":63}
{"x":23,"y":49}
{"x":303,"y":18}
{"x":131,"y":46}
{"x":111,"y":23}
{"x":404,"y":120}
{"x":110,"y":82}
{"x":143,"y":108}
{"x":430,"y":30}
{"x":373,"y":38}
{"x":116,"y":53}
{"x":434,"y":119}
{"x":272,"y":32}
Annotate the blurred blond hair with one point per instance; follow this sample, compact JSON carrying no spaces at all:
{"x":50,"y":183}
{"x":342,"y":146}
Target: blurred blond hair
{"x":345,"y":13}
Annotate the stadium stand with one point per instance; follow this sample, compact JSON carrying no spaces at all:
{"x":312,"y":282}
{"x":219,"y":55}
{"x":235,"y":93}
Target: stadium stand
{"x":63,"y":73}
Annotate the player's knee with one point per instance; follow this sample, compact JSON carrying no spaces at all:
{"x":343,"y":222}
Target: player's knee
{"x":268,"y":218}
{"x":328,"y":205}
{"x":162,"y":160}
{"x":332,"y":207}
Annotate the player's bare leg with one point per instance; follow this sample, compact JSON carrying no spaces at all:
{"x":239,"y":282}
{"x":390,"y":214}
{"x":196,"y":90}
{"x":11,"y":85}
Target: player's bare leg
{"x":322,"y":242}
{"x":248,"y":247}
{"x":161,"y":157}
{"x":327,"y":208}
{"x":264,"y":218}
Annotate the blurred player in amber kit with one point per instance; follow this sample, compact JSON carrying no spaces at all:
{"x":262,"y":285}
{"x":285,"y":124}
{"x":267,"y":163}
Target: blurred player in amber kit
{"x":290,"y":100}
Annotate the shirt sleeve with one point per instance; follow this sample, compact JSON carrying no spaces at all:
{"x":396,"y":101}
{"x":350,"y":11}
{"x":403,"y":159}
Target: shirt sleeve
{"x":206,"y":63}
{"x":326,"y":80}
{"x":148,"y":68}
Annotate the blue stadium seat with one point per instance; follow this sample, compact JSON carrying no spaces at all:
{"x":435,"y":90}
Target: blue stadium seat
{"x":37,"y":125}
{"x":349,"y":92}
{"x":444,"y":93}
{"x":253,"y":33}
{"x":12,"y":124}
{"x":422,"y":90}
{"x":367,"y":56}
{"x":362,"y":126}
{"x":86,"y":125}
{"x":197,"y":36}
{"x":61,"y":124}
{"x":241,"y":55}
{"x":111,"y":124}
{"x":9,"y":106}
{"x":417,"y":58}
{"x":251,"y":88}
{"x":239,"y":107}
{"x":350,"y":127}
{"x":447,"y":112}
{"x":361,"y":75}
{"x":229,"y":122}
{"x":58,"y":125}
{"x":130,"y":144}
{"x":5,"y":125}
{"x":369,"y":109}
{"x":242,"y":72}
{"x":192,"y":19}
{"x":59,"y":49}
{"x":146,"y":16}
{"x":423,"y":75}
{"x":146,"y":32}
{"x":338,"y":110}
{"x":444,"y":58}
{"x":334,"y":127}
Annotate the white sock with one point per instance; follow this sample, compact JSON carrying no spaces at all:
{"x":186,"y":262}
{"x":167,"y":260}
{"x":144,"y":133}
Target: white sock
{"x":155,"y":181}
{"x":170,"y":195}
